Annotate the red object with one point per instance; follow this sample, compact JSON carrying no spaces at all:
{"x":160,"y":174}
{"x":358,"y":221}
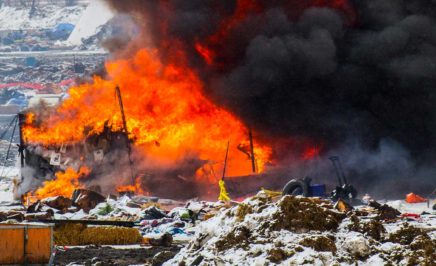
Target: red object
{"x":66,"y":82}
{"x":412,"y":216}
{"x":310,"y":153}
{"x":34,"y":86}
{"x":413,"y":198}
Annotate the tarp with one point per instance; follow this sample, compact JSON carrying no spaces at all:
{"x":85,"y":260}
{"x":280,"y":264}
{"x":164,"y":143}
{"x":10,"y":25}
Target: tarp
{"x":62,"y":30}
{"x":34,"y":86}
{"x":65,"y":27}
{"x":413,"y":198}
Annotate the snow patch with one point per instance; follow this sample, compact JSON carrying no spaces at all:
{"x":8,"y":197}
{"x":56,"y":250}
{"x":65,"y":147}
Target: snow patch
{"x":96,"y":15}
{"x":13,"y":18}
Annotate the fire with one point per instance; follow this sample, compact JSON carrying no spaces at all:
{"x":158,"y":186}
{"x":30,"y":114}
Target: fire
{"x":136,"y":188}
{"x":311,"y":153}
{"x":209,"y":48}
{"x":63,"y":185}
{"x":213,"y":48}
{"x":207,"y":54}
{"x":168,"y":117}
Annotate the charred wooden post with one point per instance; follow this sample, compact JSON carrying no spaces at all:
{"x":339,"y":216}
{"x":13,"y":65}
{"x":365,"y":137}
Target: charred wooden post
{"x":22,"y":146}
{"x":129,"y":148}
{"x":253,"y":163}
{"x":225,"y":161}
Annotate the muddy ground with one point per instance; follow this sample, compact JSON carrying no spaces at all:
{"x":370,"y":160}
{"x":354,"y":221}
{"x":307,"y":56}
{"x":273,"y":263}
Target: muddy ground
{"x":93,"y":255}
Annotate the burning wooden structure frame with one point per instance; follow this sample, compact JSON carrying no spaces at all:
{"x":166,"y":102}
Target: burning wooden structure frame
{"x":98,"y":152}
{"x":108,"y":155}
{"x":46,"y":161}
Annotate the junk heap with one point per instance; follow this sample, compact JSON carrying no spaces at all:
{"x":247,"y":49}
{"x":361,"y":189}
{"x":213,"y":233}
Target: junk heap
{"x":265,"y":229}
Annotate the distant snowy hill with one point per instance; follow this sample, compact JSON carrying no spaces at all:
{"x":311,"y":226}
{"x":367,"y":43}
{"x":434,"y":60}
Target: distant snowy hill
{"x":44,"y":17}
{"x":95,"y":16}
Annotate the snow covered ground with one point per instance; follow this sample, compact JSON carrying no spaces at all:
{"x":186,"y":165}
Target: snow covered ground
{"x":291,"y":232}
{"x":9,"y":174}
{"x":90,"y":22}
{"x":63,"y":53}
{"x":47,"y":17}
{"x":32,"y":59}
{"x":262,"y":231}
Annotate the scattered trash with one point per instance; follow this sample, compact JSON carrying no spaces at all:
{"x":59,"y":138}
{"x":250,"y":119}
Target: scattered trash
{"x":366,"y":198}
{"x":60,"y":203}
{"x":153,"y":213}
{"x":343,"y":206}
{"x":385,"y":212}
{"x":413,"y":198}
{"x":411,"y":216}
{"x":299,"y":230}
{"x":164,"y":240}
{"x":86,"y":199}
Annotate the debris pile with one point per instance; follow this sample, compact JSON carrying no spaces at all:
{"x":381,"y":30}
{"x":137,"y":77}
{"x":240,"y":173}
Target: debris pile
{"x":266,"y":229}
{"x":298,"y":230}
{"x":157,"y":221}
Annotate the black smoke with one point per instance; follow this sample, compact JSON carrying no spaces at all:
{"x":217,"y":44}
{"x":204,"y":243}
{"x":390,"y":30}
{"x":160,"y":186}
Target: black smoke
{"x":317,"y":73}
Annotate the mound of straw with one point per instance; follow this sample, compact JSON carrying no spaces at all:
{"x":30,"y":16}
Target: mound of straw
{"x":80,"y":234}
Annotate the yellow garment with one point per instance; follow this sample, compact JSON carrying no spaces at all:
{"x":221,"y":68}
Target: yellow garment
{"x":224,"y":196}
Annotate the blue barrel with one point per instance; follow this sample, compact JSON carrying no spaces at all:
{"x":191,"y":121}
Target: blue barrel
{"x":317,"y":190}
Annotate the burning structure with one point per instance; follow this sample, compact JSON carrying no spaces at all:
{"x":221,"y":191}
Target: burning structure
{"x":308,"y":78}
{"x":176,"y":112}
{"x":183,"y":138}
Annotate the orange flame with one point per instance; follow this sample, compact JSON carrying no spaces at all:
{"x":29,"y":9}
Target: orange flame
{"x":136,"y":188}
{"x":164,"y":104}
{"x":63,"y":185}
{"x":211,"y":48}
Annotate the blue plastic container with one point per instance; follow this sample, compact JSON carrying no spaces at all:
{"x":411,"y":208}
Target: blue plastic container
{"x":317,"y":190}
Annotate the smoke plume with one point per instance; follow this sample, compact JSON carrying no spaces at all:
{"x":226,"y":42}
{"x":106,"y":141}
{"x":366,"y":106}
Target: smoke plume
{"x":355,"y":78}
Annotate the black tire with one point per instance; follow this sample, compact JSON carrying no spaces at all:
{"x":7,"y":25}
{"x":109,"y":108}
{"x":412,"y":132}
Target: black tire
{"x":296,"y":187}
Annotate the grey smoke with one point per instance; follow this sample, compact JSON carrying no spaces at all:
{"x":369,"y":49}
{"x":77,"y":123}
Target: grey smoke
{"x":318,"y":77}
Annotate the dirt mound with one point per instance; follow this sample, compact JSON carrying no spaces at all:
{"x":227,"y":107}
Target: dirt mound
{"x":297,"y":231}
{"x":301,"y":214}
{"x":372,"y":228}
{"x":320,"y":243}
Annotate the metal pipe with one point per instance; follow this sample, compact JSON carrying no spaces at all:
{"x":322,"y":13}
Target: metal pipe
{"x":253,"y":163}
{"x":225,"y":161}
{"x":338,"y":175}
{"x":342,"y":171}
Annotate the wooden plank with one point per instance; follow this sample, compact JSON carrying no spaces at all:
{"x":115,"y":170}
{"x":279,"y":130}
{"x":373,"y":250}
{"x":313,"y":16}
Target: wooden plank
{"x":11,"y":246}
{"x":38,"y":245}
